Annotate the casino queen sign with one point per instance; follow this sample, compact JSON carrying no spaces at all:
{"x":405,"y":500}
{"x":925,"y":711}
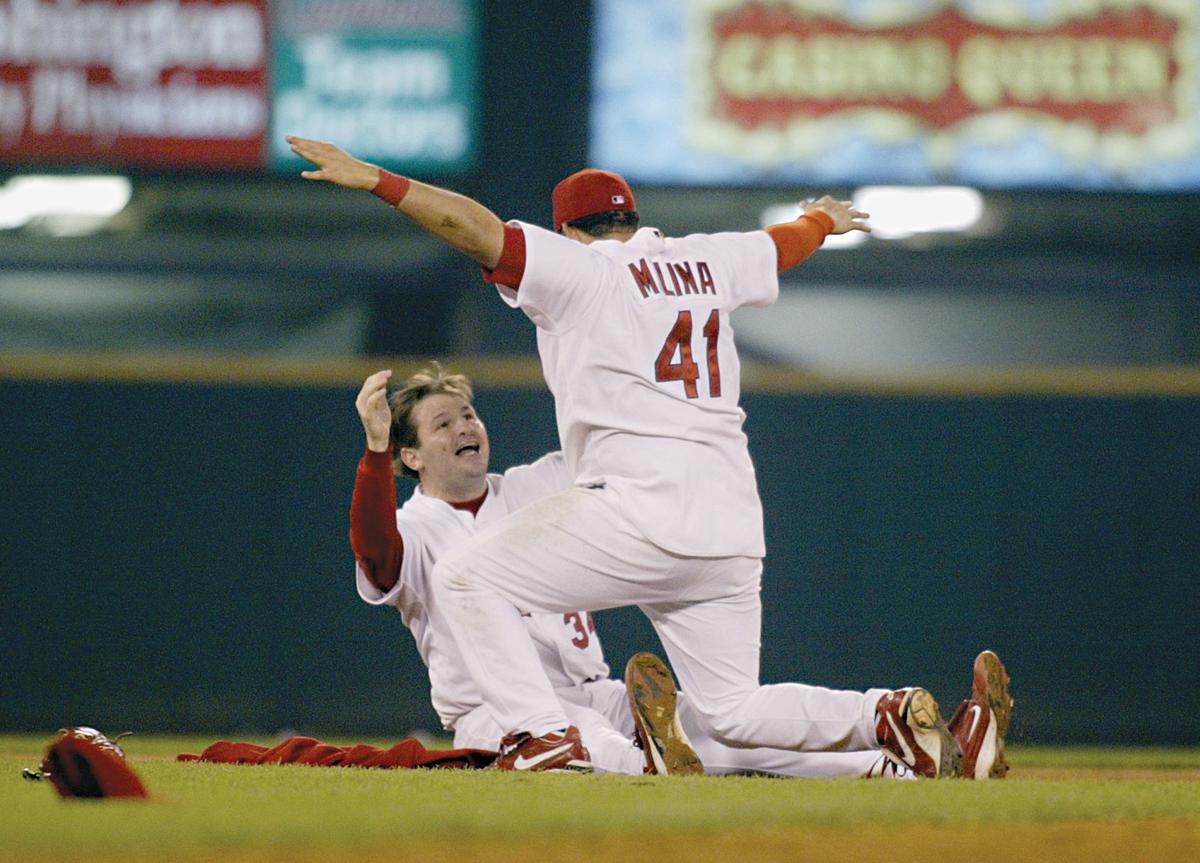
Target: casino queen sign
{"x":1086,"y":92}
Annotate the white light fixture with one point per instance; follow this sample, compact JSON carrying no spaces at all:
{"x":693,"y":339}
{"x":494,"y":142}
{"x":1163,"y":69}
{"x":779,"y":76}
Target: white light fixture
{"x":63,"y":205}
{"x":898,"y":212}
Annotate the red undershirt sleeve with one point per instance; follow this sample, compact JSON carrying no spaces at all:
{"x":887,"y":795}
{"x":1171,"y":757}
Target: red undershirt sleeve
{"x":377,"y":543}
{"x":511,"y":266}
{"x":795,"y":241}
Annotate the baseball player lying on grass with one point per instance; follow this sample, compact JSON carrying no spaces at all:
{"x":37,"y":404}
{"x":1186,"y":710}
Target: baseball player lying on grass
{"x":635,"y":337}
{"x":429,"y":429}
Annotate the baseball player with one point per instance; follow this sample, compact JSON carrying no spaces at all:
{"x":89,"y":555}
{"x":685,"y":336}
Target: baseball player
{"x":636,"y":346}
{"x":429,"y":429}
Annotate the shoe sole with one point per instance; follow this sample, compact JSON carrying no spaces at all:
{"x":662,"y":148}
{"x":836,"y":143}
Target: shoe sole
{"x":572,"y":767}
{"x":924,"y":717}
{"x":652,"y":700}
{"x":991,"y":685}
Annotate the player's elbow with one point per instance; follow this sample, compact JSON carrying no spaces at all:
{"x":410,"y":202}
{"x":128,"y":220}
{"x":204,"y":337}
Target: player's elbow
{"x":486,"y":242}
{"x":475,"y":231}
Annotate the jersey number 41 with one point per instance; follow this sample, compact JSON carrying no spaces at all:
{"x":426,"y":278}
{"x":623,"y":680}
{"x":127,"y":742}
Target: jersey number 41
{"x":679,"y":341}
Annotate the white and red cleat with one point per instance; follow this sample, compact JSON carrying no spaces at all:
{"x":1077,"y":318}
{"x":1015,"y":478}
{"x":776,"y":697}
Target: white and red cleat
{"x":652,"y":699}
{"x":886,"y":768}
{"x":558,"y":751}
{"x":911,"y":732}
{"x":981,"y":722}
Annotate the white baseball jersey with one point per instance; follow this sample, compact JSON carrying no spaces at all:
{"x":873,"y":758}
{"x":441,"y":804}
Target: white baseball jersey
{"x":567,"y":644}
{"x":637,"y":348}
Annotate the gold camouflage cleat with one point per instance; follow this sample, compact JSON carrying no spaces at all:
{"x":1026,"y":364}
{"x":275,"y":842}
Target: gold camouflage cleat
{"x":652,"y":700}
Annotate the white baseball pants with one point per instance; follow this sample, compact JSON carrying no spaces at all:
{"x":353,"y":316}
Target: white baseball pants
{"x":608,"y":699}
{"x":576,"y":550}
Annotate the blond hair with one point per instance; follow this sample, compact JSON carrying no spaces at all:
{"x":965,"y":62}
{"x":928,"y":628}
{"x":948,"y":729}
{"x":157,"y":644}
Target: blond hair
{"x":429,"y":381}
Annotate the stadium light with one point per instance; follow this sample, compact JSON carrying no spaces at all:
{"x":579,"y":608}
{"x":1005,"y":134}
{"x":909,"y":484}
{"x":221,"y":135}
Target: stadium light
{"x":899,"y":212}
{"x":63,"y":205}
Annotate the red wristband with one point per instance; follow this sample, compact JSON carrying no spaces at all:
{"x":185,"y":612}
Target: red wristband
{"x":391,"y":187}
{"x":822,"y":218}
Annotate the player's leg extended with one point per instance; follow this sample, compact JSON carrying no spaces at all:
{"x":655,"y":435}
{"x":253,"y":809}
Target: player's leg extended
{"x":720,"y":759}
{"x":609,"y":698}
{"x":713,"y":645}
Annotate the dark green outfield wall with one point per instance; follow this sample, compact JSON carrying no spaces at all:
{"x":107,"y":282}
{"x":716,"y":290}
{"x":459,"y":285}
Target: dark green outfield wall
{"x":175,"y":557}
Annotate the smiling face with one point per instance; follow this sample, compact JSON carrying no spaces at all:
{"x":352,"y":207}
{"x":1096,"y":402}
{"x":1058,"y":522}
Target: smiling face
{"x":451,"y":452}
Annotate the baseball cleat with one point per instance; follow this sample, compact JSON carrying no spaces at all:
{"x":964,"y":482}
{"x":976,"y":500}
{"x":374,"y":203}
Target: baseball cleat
{"x":652,"y":700}
{"x":558,"y":752}
{"x":911,"y":732}
{"x":980,"y":724}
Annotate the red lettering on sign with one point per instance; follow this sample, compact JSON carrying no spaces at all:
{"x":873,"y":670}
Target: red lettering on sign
{"x":1113,"y":68}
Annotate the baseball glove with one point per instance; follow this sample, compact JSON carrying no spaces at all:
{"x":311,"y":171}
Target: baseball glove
{"x":82,"y":762}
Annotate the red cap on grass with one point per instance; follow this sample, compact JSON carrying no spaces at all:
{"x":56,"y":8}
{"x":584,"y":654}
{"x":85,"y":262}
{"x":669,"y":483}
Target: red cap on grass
{"x":82,"y":762}
{"x":590,"y":191}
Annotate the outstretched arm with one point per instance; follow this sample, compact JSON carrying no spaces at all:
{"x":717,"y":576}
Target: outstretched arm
{"x":464,"y":223}
{"x":795,"y":241}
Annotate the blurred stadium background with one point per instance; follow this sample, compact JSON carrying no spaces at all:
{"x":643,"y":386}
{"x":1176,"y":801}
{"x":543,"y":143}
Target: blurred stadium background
{"x":979,"y":427}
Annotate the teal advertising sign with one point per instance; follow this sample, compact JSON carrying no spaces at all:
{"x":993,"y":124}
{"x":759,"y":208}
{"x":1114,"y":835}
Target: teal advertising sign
{"x":392,"y":81}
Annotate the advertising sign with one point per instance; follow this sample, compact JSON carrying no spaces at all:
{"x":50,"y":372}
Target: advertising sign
{"x":1093,"y":94}
{"x":392,"y":81}
{"x":155,"y":83}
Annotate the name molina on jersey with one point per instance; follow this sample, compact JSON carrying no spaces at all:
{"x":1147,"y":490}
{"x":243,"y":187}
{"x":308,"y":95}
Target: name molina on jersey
{"x":649,"y":278}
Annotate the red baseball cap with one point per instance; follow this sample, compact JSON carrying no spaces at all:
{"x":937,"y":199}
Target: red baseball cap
{"x":590,"y":191}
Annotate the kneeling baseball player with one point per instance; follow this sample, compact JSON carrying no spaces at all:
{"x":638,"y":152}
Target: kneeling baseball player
{"x":429,"y":429}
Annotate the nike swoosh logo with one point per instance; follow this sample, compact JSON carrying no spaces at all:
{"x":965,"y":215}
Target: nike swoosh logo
{"x":523,"y":763}
{"x":978,"y":712}
{"x":909,"y":758}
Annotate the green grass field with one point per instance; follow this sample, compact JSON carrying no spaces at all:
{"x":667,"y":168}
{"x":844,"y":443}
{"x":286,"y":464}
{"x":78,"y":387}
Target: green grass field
{"x":1057,"y":804}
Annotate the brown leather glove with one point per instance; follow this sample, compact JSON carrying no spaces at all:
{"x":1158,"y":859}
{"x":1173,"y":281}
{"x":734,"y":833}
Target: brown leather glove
{"x":82,"y":762}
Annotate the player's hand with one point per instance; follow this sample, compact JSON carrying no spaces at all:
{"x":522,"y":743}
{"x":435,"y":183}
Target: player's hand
{"x":374,"y":411}
{"x":334,"y":164}
{"x":845,"y":217}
